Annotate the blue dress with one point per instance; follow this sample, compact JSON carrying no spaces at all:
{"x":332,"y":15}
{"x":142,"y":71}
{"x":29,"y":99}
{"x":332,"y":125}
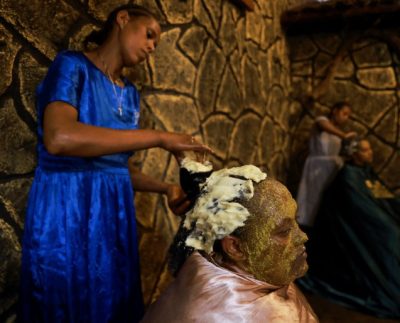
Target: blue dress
{"x":80,"y":252}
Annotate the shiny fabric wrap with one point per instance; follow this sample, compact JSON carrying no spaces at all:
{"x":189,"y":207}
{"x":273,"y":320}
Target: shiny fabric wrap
{"x":354,"y":250}
{"x":205,"y":292}
{"x":80,"y":257}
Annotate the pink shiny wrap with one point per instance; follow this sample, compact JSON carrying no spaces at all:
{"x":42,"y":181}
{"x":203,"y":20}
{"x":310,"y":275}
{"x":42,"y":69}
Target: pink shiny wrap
{"x":206,"y":292}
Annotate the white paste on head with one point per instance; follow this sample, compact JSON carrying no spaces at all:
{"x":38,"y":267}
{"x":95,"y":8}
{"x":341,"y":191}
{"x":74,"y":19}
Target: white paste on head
{"x":215,"y":215}
{"x":193,"y":166}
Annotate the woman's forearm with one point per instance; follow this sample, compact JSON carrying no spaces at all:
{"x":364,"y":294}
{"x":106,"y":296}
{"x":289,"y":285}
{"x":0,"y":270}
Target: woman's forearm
{"x":328,"y":126}
{"x":145,"y":183}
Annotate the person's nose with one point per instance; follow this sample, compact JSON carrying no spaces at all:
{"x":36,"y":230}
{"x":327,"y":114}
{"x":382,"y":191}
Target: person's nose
{"x":151,"y":46}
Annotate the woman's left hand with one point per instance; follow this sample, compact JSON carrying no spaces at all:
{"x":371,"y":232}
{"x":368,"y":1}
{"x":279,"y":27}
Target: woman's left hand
{"x":177,"y":199}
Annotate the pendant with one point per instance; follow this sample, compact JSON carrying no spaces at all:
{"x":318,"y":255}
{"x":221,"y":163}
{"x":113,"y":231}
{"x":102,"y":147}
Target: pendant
{"x":120,"y":110}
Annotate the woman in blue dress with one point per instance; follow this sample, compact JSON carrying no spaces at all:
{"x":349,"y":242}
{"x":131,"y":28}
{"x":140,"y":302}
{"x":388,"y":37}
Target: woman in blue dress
{"x":80,"y":255}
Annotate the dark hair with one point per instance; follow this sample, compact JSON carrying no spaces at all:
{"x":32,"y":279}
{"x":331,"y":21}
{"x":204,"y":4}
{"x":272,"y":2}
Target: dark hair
{"x":99,"y":36}
{"x":339,"y":106}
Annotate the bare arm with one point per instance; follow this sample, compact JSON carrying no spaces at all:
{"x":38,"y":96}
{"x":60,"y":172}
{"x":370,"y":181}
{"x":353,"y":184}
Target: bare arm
{"x":64,"y":135}
{"x":328,"y":126}
{"x":177,"y":200}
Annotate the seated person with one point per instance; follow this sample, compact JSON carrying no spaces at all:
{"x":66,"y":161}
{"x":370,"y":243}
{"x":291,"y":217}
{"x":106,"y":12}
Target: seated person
{"x":244,"y":249}
{"x":354,"y":252}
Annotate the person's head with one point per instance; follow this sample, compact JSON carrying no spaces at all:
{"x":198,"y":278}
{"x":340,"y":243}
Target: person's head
{"x":248,"y":221}
{"x":270,"y":245}
{"x":133,"y":29}
{"x":363,"y":154}
{"x":340,"y":113}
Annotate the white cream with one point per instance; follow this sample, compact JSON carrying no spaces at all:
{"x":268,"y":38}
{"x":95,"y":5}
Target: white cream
{"x":193,"y":166}
{"x":215,"y":215}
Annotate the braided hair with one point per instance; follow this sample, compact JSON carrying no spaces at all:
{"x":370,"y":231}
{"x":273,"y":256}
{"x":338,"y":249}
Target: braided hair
{"x":99,"y":36}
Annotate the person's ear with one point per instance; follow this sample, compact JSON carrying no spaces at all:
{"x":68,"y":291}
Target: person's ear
{"x":231,"y":247}
{"x":122,"y":18}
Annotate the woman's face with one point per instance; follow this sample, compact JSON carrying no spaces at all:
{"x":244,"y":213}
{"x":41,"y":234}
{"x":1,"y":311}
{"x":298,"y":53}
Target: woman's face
{"x":274,"y":243}
{"x":138,"y":38}
{"x":340,"y":116}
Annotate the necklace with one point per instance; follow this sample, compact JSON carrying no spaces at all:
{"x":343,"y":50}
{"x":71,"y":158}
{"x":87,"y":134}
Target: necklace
{"x":119,"y":99}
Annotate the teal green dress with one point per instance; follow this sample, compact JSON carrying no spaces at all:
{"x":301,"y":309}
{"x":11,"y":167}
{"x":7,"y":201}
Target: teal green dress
{"x":354,"y":250}
{"x":80,"y":259}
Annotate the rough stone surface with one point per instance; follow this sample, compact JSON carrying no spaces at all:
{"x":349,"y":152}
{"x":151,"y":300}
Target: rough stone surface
{"x":372,"y":56}
{"x":8,"y":50}
{"x":377,"y":78}
{"x":170,"y":68}
{"x":217,"y":131}
{"x":177,"y":113}
{"x":17,"y":142}
{"x":230,"y":96}
{"x":209,"y":77}
{"x":30,"y":74}
{"x":192,"y":42}
{"x":244,"y":138}
{"x":177,"y":11}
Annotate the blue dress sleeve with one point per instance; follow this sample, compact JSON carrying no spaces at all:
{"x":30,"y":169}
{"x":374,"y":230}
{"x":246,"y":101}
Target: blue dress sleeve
{"x":63,"y":81}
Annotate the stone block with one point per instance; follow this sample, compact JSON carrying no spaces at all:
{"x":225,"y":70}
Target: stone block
{"x":181,"y":77}
{"x":101,"y":9}
{"x":387,"y":127}
{"x":302,"y":68}
{"x":8,"y":51}
{"x":209,"y":78}
{"x":244,"y":138}
{"x":178,"y":11}
{"x":267,"y":139}
{"x":33,"y":18}
{"x":30,"y":74}
{"x":253,"y":93}
{"x":17,"y":143}
{"x":227,"y":31}
{"x":373,"y":55}
{"x":377,"y":78}
{"x":10,"y":255}
{"x":153,"y":6}
{"x":214,"y":10}
{"x":15,"y":194}
{"x":204,"y":18}
{"x":322,"y":63}
{"x":177,"y":113}
{"x":254,"y":27}
{"x":192,"y":42}
{"x":301,"y":48}
{"x":217,"y":130}
{"x":230,"y":98}
{"x":345,"y":69}
{"x":328,"y":43}
{"x":276,"y":101}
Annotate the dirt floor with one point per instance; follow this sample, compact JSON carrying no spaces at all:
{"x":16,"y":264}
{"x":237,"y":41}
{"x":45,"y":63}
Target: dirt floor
{"x":329,"y":312}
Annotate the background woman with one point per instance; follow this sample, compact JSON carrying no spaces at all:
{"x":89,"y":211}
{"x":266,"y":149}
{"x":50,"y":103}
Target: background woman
{"x":323,"y":161}
{"x":80,"y":255}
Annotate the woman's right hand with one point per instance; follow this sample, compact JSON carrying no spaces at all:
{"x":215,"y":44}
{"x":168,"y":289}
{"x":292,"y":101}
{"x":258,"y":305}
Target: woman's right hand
{"x":177,"y":143}
{"x":349,"y":135}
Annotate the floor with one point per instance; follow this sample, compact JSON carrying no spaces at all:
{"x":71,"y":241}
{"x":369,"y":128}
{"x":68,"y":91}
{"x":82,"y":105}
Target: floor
{"x":331,"y":313}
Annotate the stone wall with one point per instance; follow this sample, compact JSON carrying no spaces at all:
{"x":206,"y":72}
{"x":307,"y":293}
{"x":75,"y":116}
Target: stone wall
{"x":361,"y":67}
{"x":220,"y":73}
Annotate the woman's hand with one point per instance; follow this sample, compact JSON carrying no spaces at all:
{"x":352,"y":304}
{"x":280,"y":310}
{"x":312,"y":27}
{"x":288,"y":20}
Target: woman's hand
{"x":177,"y":199}
{"x":349,"y":135}
{"x":177,"y":143}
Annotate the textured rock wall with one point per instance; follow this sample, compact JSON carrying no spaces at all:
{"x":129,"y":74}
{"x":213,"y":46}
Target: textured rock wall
{"x":361,"y":67}
{"x":220,"y":73}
